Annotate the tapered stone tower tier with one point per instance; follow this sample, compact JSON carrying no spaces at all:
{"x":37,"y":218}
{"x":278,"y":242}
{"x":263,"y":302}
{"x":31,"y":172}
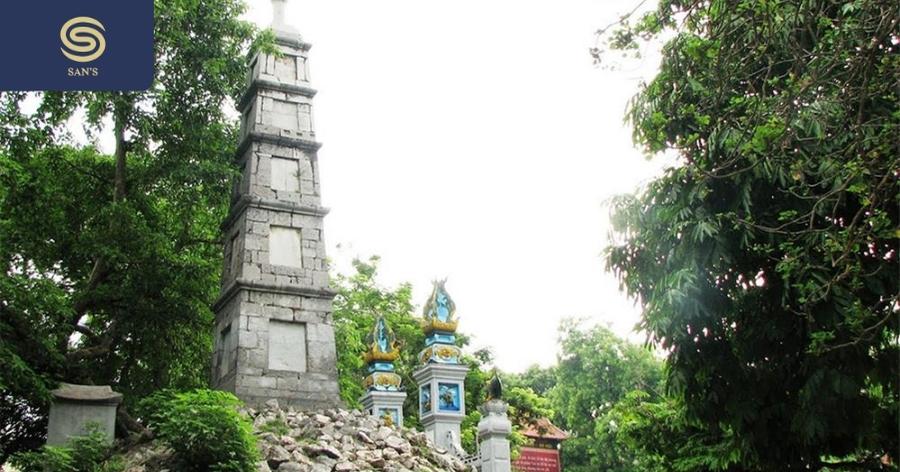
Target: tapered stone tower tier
{"x":274,"y":337}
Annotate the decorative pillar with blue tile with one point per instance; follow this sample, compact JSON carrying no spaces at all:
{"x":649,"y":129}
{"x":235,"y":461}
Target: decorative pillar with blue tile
{"x":441,"y":376}
{"x":383,"y":398}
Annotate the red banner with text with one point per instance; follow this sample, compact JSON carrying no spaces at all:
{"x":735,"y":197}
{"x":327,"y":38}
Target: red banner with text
{"x":538,"y":460}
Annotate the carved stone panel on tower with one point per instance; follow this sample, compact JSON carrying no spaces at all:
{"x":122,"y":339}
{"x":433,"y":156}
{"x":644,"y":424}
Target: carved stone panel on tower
{"x":274,"y":334}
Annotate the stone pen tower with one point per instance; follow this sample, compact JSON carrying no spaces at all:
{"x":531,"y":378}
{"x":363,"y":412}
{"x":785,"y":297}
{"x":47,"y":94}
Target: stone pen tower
{"x":274,"y":337}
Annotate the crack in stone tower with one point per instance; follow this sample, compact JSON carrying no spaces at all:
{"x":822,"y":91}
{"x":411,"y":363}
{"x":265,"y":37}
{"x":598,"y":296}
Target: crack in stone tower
{"x":274,"y":336}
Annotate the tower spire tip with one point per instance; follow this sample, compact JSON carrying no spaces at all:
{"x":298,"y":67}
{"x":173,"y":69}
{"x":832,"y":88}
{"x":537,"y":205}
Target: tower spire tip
{"x":278,"y":17}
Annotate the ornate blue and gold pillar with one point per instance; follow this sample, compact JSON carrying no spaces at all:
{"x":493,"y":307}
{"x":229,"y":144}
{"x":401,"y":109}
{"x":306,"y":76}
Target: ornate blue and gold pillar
{"x":383,"y":398}
{"x":441,"y":375}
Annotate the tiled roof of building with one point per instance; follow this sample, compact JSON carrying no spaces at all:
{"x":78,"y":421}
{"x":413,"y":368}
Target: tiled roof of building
{"x":544,"y":429}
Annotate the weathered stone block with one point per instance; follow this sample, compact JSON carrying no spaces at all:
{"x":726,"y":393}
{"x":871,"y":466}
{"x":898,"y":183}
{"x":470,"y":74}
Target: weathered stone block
{"x":320,"y":279}
{"x":289,"y":384}
{"x":285,"y":175}
{"x":287,"y":346}
{"x":76,"y":409}
{"x":284,"y":246}
{"x":248,"y":339}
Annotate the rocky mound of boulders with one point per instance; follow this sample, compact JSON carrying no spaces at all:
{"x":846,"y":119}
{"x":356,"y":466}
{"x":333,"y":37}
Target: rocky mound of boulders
{"x":333,"y":440}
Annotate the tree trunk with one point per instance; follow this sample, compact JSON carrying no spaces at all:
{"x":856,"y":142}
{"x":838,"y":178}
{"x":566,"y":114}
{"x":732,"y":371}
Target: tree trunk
{"x":102,"y":343}
{"x":121,"y":115}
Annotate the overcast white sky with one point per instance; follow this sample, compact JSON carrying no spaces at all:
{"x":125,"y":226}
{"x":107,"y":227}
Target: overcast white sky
{"x":475,"y":140}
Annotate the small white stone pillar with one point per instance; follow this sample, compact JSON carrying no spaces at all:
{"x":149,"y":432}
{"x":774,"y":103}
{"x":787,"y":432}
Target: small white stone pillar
{"x":76,"y":408}
{"x":493,"y":435}
{"x":384,"y":405}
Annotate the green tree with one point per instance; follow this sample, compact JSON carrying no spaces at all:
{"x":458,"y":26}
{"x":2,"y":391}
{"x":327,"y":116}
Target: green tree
{"x":596,"y":370}
{"x":110,"y":262}
{"x":525,"y":406}
{"x":476,"y":392}
{"x":766,"y":260}
{"x":658,"y":436}
{"x":359,"y":302}
{"x":538,"y":379}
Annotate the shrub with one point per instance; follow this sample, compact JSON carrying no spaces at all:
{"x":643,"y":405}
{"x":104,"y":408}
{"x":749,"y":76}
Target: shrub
{"x":44,"y":459}
{"x":204,"y":429}
{"x":89,"y":453}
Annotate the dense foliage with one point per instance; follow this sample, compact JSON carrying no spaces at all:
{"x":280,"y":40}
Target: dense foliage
{"x":766,"y":261}
{"x":204,"y":430}
{"x":658,"y":437}
{"x":90,"y":453}
{"x":109,"y":263}
{"x":596,"y":370}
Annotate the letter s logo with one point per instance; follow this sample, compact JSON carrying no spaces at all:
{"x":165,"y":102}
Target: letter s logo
{"x":82,"y":39}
